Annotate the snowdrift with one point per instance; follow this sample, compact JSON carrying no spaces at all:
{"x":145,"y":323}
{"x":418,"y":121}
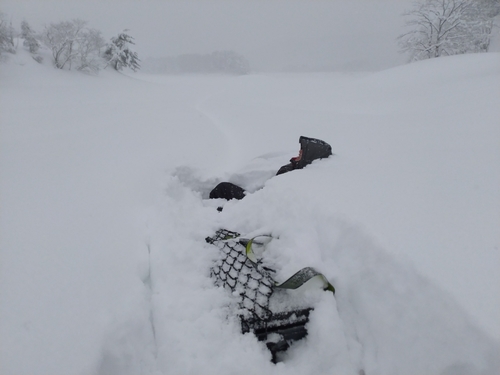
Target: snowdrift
{"x":104,"y":214}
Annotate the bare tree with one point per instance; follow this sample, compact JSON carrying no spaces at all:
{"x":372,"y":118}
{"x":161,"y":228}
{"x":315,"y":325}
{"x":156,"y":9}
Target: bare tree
{"x":446,"y":27}
{"x":60,"y":38}
{"x":89,"y":48}
{"x":71,"y":42}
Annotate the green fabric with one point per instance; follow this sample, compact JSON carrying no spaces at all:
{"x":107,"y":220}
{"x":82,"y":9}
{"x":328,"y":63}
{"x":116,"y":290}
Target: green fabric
{"x":249,"y":252}
{"x":303,"y":276}
{"x":299,"y":278}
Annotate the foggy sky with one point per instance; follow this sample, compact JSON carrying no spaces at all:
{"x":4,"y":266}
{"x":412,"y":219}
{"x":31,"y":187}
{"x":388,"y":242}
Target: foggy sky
{"x":271,"y":34}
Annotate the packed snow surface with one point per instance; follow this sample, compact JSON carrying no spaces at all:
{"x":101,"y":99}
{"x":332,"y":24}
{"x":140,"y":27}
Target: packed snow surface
{"x":104,"y":212}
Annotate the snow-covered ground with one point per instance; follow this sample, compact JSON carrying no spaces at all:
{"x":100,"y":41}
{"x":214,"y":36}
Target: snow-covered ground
{"x":104,"y":180}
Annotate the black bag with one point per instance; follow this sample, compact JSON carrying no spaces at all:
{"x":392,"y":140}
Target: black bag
{"x":310,"y":150}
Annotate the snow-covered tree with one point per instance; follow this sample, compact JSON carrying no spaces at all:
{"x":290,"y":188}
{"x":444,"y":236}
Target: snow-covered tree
{"x":447,"y":27}
{"x":30,"y":40}
{"x":6,"y":35}
{"x":72,"y":43}
{"x":491,"y":7}
{"x":120,"y":55}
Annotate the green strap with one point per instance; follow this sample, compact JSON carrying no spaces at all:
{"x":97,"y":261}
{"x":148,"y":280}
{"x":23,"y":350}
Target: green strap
{"x":299,"y":278}
{"x":249,"y":252}
{"x":303,"y":276}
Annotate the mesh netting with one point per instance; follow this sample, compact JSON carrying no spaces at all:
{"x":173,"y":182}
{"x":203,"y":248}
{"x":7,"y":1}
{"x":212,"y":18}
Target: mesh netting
{"x":254,"y":288}
{"x":250,"y":282}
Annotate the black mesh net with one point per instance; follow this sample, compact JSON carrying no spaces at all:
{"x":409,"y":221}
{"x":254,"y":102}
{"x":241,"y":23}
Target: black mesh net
{"x":253,"y":286}
{"x":250,"y":282}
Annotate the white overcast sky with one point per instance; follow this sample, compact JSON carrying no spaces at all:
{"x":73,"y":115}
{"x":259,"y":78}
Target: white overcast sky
{"x":356,"y":33}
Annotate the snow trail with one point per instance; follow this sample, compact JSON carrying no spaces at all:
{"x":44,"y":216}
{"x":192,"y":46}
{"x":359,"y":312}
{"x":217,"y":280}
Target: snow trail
{"x":390,"y":319}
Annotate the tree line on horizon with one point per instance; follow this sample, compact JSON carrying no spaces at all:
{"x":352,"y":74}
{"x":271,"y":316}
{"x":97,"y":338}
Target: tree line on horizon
{"x":72,"y":45}
{"x":228,"y":62}
{"x":437,"y":28}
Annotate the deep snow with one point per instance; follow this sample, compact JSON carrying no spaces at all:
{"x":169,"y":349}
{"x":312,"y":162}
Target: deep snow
{"x":104,"y":213}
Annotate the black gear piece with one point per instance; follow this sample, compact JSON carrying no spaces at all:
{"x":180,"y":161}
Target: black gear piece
{"x":228,"y":191}
{"x":310,"y":150}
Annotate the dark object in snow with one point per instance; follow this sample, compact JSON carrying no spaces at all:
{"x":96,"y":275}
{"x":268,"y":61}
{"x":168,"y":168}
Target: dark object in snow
{"x":310,"y":150}
{"x":227,"y":190}
{"x":288,"y":326}
{"x":276,"y":324}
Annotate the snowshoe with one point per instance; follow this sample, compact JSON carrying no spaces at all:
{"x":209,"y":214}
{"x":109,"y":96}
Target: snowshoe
{"x":263,"y":308}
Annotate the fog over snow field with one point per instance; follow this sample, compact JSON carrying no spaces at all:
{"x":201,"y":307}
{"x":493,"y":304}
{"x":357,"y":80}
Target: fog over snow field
{"x":104,"y":181}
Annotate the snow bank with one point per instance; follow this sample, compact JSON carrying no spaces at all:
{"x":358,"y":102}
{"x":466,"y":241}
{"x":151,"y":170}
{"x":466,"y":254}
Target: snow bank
{"x":416,"y":159}
{"x":104,"y":215}
{"x":385,"y":318}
